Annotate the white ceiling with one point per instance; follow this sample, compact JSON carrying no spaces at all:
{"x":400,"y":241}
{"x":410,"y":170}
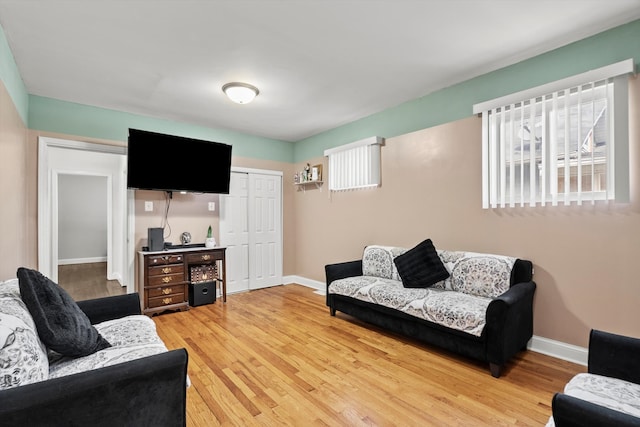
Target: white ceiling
{"x":318,"y":63}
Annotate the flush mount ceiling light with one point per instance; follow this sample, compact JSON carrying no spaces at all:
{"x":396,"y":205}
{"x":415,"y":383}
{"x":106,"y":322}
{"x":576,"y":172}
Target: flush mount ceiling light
{"x":241,"y":93}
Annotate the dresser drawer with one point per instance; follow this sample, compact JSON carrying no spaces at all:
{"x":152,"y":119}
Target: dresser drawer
{"x":166,"y":279}
{"x":164,"y":259}
{"x":162,"y":270}
{"x":167,"y":300}
{"x":203,"y":258}
{"x":164,"y":291}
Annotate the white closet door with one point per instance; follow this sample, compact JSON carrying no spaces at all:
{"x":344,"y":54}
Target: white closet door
{"x":251,"y":230}
{"x":234,"y":232}
{"x":265,"y":230}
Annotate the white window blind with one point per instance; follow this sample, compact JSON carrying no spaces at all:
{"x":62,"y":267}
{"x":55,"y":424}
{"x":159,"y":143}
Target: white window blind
{"x":565,"y":142}
{"x":355,"y":165}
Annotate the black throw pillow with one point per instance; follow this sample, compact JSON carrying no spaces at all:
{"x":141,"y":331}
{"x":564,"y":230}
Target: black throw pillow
{"x":421,"y":266}
{"x":62,"y":326}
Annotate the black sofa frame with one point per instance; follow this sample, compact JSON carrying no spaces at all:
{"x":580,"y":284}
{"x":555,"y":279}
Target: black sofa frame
{"x":610,"y":355}
{"x":509,"y":318}
{"x":150,"y":391}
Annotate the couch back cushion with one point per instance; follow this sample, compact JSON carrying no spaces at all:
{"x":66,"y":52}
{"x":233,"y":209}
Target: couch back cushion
{"x":377,"y":261}
{"x":23,"y":357}
{"x":484,"y":275}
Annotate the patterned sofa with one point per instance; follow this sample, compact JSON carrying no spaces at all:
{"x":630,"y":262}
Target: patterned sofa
{"x":134,"y":381}
{"x":608,"y":394}
{"x":482,"y":310}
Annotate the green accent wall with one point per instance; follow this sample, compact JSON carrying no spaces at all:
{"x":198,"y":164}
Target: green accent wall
{"x":10,"y":76}
{"x":53,"y":115}
{"x":456,"y":102}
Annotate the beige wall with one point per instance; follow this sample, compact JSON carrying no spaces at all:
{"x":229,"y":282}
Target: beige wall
{"x":585,"y":257}
{"x":15,"y":241}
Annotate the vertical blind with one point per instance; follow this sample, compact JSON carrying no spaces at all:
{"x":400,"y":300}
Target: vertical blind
{"x":355,"y":165}
{"x":565,"y":145}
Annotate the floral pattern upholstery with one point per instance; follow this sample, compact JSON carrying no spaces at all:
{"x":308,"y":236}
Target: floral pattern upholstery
{"x":455,"y":310}
{"x":458,"y":302}
{"x":612,"y":393}
{"x":23,"y":357}
{"x":131,"y":337}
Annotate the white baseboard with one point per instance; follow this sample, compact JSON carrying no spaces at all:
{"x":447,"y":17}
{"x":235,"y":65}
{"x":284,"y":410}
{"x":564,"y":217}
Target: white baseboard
{"x":81,"y":260}
{"x":558,"y":349}
{"x":553,"y":348}
{"x":320,"y":287}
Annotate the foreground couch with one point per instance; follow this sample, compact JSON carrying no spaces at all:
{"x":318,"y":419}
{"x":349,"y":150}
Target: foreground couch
{"x":134,"y":382}
{"x":609,"y":393}
{"x":483,"y":308}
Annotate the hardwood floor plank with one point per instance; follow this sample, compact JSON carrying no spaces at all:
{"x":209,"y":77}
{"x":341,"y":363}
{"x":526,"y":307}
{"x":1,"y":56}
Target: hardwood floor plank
{"x":276,"y":357}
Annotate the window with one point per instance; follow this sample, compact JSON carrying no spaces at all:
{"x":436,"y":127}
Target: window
{"x":565,"y":142}
{"x":355,"y":165}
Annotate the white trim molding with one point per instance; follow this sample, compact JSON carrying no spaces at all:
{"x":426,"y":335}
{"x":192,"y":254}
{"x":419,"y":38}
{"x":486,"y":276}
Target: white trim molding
{"x":299,"y":280}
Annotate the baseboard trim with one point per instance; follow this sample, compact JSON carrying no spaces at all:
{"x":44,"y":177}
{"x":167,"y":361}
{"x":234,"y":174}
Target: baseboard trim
{"x":320,"y":287}
{"x":560,"y":350}
{"x":549,"y":347}
{"x":69,"y":261}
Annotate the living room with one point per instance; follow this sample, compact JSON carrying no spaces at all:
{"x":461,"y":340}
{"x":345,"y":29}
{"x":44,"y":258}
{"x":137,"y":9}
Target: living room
{"x":431,"y":188}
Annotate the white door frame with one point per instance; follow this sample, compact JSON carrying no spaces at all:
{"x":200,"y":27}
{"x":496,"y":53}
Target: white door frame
{"x":47,"y":209}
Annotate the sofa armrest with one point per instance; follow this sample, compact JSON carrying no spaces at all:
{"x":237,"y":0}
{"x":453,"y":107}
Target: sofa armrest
{"x":614,"y":356}
{"x":147,"y":391}
{"x":108,"y":308}
{"x":510,"y":322}
{"x":569,"y":411}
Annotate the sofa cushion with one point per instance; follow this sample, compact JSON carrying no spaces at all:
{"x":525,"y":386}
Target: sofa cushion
{"x":483,"y":275}
{"x":61,"y":324}
{"x":377,"y":261}
{"x":421,"y":267}
{"x":132,"y":337}
{"x":23,"y":357}
{"x":455,"y":310}
{"x":612,"y":393}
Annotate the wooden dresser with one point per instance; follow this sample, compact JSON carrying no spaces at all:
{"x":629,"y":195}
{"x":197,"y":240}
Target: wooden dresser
{"x":164,"y":276}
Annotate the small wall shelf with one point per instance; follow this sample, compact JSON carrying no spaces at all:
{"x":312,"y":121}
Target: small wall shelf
{"x":304,"y":185}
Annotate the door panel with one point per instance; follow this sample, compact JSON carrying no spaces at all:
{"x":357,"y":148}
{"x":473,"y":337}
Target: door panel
{"x":234,"y":232}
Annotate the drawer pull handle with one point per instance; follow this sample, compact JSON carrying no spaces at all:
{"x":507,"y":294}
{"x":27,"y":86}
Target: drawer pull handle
{"x":166,"y":291}
{"x":206,"y":257}
{"x":167,"y":300}
{"x":166,"y":270}
{"x":167,"y":279}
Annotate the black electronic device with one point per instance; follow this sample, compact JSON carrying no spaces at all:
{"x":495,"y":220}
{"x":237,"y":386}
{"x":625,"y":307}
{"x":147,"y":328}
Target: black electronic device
{"x":189,"y":164}
{"x":202,"y":293}
{"x":155,"y":239}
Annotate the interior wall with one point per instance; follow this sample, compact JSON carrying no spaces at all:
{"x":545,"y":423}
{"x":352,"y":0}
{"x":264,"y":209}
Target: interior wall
{"x":13,"y":188}
{"x":584,"y":256}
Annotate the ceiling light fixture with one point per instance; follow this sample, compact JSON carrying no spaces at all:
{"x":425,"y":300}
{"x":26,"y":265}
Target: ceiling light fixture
{"x":240,"y":93}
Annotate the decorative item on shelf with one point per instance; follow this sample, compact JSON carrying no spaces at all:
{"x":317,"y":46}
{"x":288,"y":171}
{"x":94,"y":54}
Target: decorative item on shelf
{"x":185,"y":238}
{"x":316,"y":173}
{"x":203,"y":273}
{"x":296,"y":178}
{"x":210,"y":241}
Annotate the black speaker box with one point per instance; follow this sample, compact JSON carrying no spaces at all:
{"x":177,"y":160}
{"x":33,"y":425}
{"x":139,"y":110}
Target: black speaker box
{"x":202,"y":293}
{"x":155,"y":239}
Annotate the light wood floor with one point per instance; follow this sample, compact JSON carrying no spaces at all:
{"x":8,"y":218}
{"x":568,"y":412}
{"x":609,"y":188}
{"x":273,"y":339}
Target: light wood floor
{"x":88,"y":281}
{"x":276,"y":357}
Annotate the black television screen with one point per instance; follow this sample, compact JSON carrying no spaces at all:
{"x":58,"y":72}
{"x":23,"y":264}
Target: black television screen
{"x":157,"y":161}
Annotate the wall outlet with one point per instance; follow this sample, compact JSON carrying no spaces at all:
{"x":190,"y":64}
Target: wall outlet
{"x":148,"y":206}
{"x":212,"y":206}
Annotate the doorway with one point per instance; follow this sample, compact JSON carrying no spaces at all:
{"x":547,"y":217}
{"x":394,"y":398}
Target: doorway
{"x":57,"y":158}
{"x":251,"y":229}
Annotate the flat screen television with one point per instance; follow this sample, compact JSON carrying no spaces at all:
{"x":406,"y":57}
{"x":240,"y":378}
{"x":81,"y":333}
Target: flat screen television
{"x":157,"y":161}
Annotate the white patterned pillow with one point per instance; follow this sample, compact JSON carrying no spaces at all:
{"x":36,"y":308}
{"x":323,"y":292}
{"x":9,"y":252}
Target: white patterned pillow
{"x":131,"y":337}
{"x":377,"y":261}
{"x":23,"y":357}
{"x":613,"y":393}
{"x":483,"y":275}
